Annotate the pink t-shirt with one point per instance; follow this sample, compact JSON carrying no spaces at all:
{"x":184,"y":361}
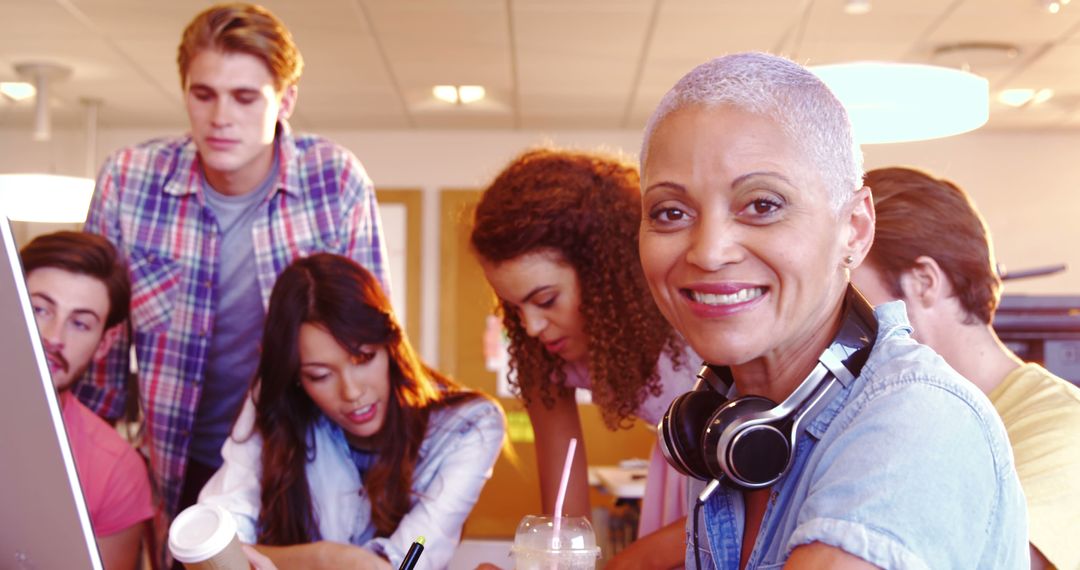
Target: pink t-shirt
{"x":112,"y":475}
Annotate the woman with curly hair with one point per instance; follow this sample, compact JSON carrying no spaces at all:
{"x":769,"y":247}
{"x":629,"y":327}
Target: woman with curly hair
{"x":351,"y":447}
{"x":556,"y":234}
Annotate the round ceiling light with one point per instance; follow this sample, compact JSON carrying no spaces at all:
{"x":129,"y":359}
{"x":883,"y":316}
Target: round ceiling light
{"x":45,"y":197}
{"x":900,"y":102}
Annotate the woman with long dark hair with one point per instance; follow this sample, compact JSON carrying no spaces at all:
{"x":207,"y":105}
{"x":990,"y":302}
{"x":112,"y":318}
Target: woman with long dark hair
{"x":556,"y":234}
{"x":351,"y":446}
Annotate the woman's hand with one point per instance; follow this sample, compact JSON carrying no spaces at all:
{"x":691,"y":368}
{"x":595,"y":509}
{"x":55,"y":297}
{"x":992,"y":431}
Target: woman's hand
{"x":257,"y":560}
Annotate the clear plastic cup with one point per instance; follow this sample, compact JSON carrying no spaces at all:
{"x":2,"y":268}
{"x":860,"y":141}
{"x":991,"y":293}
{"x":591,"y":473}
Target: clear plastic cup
{"x":537,"y":547}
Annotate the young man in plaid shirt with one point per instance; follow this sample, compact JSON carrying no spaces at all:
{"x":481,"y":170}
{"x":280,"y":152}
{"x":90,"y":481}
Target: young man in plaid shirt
{"x":206,"y":222}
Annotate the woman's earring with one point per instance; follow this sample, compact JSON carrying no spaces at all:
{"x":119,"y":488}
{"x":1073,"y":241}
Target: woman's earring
{"x":848,"y":259}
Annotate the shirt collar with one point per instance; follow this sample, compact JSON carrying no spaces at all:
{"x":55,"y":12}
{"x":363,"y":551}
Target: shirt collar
{"x":191,"y":183}
{"x":820,"y":424}
{"x":892,"y":320}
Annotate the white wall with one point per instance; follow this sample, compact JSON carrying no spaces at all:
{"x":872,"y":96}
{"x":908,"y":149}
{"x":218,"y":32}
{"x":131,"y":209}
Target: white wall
{"x":1025,"y":184}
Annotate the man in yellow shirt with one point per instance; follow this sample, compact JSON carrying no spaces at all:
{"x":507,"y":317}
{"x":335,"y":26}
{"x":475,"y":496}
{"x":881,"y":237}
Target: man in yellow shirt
{"x":932,"y":250}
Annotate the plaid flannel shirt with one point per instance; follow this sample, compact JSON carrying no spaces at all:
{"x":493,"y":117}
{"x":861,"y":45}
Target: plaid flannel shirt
{"x":149,"y":203}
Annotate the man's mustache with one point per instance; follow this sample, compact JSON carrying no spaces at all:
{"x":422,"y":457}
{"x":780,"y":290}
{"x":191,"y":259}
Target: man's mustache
{"x":55,"y":356}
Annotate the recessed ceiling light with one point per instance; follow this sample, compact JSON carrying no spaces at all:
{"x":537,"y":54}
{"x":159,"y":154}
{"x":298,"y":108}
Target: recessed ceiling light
{"x":1042,"y":96}
{"x":1020,"y":97}
{"x":857,"y":7}
{"x":463,"y":94}
{"x":17,"y":90}
{"x":1053,"y":6}
{"x":446,"y":93}
{"x":471,"y":93}
{"x":1015,"y":97}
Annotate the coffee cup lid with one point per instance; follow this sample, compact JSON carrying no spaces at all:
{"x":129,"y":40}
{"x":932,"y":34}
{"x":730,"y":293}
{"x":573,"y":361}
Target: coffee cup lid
{"x":200,"y":532}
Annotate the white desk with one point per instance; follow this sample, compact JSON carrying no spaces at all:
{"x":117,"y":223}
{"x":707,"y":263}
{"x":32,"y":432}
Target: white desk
{"x":622,"y":482}
{"x":473,"y":552}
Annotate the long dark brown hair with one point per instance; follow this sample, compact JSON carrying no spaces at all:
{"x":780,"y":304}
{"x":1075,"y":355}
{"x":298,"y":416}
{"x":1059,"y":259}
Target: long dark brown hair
{"x":587,"y":207}
{"x":336,"y":293}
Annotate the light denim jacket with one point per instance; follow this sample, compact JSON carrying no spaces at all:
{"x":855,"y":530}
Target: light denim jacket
{"x":909,"y":467}
{"x":456,"y":459}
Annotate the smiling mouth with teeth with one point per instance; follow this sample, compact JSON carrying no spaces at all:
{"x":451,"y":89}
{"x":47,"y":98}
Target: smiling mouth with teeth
{"x":721,"y":299}
{"x":361,"y":411}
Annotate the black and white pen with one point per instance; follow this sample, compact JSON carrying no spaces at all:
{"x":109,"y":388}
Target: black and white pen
{"x":413,"y":554}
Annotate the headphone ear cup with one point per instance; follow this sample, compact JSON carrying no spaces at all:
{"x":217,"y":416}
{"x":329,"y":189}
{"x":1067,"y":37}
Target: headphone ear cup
{"x":681,"y":429}
{"x":750,"y":456}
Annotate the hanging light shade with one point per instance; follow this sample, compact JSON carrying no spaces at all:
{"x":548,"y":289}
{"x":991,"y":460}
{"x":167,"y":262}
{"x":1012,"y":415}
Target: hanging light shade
{"x":50,"y":198}
{"x":45,"y":197}
{"x":899,"y":102}
{"x":42,"y":74}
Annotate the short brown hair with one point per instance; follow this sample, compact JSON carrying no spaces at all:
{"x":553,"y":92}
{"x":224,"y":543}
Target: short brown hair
{"x":84,"y":254}
{"x":918,"y":214}
{"x":243,"y":28}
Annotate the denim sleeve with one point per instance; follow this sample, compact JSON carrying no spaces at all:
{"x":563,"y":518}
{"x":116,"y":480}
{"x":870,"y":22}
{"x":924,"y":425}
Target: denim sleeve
{"x":909,"y":476}
{"x":463,"y":463}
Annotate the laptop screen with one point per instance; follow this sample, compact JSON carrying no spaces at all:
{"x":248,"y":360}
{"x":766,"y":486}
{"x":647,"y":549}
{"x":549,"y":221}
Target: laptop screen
{"x":46,"y":523}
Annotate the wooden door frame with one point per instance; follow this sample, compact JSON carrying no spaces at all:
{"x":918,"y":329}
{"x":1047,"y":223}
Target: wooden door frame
{"x":413,"y":200}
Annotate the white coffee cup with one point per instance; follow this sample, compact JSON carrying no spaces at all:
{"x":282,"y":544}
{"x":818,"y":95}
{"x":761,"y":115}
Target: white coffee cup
{"x":537,"y":546}
{"x":203,"y":537}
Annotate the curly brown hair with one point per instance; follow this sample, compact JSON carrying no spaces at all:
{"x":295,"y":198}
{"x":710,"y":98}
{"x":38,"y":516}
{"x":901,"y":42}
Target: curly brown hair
{"x":587,"y":207}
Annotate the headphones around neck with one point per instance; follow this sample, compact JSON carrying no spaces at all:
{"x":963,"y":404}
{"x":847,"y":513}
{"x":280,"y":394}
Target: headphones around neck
{"x":748,"y":441}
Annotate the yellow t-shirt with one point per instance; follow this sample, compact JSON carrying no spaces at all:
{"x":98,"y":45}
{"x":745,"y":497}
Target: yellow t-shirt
{"x":1041,"y":413}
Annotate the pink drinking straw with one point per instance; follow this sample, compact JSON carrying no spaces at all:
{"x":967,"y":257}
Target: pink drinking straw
{"x":562,"y":491}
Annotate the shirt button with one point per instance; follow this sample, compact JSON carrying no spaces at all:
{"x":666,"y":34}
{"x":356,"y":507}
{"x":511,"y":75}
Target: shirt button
{"x":202,"y":333}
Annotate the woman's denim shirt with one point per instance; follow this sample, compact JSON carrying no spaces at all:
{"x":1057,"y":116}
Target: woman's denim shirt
{"x":908,"y":467}
{"x":455,"y":460}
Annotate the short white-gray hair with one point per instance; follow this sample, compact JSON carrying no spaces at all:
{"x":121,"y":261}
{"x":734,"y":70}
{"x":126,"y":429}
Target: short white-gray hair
{"x":787,"y":93}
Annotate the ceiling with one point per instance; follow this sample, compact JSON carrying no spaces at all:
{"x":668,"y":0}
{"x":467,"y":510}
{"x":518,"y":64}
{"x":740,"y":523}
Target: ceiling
{"x":546,"y":64}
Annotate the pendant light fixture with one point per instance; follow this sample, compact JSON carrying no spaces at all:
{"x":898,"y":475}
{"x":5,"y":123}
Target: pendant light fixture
{"x":901,"y":102}
{"x":51,"y":198}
